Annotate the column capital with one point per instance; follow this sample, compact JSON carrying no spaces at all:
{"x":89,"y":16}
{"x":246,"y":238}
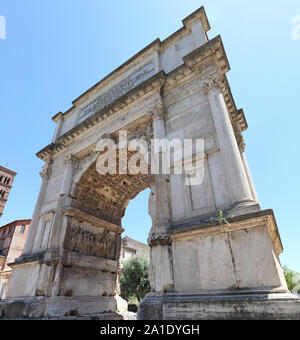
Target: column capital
{"x":162,"y":239}
{"x":212,"y":84}
{"x":46,"y":172}
{"x":158,"y":111}
{"x":69,"y":160}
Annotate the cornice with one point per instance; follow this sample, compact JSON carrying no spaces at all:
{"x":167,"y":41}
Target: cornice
{"x":58,"y":117}
{"x":212,"y":54}
{"x":80,"y":215}
{"x":156,"y":45}
{"x":8,"y":171}
{"x":199,"y":14}
{"x":153,"y":84}
{"x":262,"y":218}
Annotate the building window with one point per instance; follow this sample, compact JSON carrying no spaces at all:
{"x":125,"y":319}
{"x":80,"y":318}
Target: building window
{"x":23,"y":229}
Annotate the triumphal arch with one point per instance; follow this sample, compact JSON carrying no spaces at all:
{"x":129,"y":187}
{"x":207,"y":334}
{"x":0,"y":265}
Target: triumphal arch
{"x":214,"y":252}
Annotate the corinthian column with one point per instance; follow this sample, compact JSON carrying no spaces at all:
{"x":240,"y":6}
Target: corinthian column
{"x":236,"y":176}
{"x":248,"y":172}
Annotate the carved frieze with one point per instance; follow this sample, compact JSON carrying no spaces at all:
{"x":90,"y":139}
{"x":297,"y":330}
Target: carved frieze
{"x":87,"y":240}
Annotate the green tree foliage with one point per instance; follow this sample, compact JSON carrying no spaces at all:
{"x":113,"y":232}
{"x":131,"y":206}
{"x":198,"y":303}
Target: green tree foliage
{"x":135,"y":279}
{"x":292,"y":278}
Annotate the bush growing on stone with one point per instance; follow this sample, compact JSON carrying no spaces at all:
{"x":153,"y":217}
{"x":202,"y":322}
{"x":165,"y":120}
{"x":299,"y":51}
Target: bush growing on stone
{"x":135,"y":279}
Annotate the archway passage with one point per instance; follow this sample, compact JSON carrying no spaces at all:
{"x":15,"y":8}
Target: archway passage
{"x":107,"y":196}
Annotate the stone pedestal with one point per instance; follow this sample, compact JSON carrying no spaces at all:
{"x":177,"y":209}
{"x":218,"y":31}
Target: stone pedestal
{"x":225,"y":271}
{"x":245,"y":305}
{"x":80,"y":278}
{"x":101,"y":308}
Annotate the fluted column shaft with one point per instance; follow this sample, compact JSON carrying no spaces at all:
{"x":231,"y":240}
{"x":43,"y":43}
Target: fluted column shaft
{"x":233,"y":164}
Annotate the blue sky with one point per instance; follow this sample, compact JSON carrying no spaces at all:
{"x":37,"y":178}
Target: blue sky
{"x":56,"y":49}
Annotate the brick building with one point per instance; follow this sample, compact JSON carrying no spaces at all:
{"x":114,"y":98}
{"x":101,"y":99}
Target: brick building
{"x":12,"y":242}
{"x":132,"y":248}
{"x":6,"y":180}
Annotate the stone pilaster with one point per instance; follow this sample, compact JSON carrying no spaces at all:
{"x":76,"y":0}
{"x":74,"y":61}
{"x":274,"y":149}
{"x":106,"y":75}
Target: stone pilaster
{"x":45,"y":175}
{"x":161,"y":263}
{"x":68,"y":175}
{"x":60,"y":222}
{"x":161,"y":190}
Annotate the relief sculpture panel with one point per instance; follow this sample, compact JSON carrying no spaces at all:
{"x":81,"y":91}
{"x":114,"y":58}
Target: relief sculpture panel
{"x":88,"y":240}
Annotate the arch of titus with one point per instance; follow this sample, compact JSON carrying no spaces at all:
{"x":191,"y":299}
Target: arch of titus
{"x":201,"y":267}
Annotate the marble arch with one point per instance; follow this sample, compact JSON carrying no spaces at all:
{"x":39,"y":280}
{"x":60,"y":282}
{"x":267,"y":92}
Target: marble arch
{"x":176,"y":88}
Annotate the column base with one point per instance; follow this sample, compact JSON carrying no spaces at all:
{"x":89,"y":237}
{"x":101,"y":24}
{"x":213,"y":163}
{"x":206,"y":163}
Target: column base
{"x":243,"y":209}
{"x":98,"y":308}
{"x":223,"y":306}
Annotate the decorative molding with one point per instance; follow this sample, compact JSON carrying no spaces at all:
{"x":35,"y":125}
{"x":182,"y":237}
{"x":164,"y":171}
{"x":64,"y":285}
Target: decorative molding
{"x":79,"y":163}
{"x":154,"y":84}
{"x":254,"y":220}
{"x":213,"y":85}
{"x":209,"y":55}
{"x":162,"y":239}
{"x":46,"y":172}
{"x":69,"y":160}
{"x":95,"y":221}
{"x":141,"y":129}
{"x":158,"y":112}
{"x":156,"y":47}
{"x":47,"y":216}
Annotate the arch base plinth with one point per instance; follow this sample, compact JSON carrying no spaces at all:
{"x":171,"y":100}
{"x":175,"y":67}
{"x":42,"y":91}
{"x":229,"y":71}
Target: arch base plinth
{"x":61,"y":308}
{"x":238,"y":306}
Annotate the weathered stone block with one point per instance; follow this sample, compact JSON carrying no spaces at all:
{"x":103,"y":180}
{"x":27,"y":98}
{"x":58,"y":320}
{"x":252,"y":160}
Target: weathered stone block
{"x":243,"y":306}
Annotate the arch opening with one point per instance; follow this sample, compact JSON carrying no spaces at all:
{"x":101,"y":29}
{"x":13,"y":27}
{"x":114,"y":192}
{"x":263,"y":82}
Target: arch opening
{"x":107,"y":196}
{"x":137,"y":220}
